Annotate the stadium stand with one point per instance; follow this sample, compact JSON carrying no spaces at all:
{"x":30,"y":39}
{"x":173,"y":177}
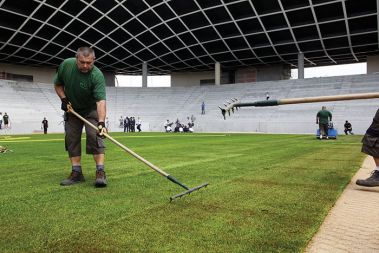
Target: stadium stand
{"x":27,"y":103}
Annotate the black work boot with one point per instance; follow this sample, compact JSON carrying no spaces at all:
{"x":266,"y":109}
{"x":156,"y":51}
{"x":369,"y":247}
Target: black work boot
{"x":75,"y":177}
{"x":101,"y":179}
{"x":371,"y":181}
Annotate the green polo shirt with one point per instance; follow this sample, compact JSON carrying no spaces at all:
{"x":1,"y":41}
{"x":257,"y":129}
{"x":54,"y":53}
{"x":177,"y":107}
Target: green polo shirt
{"x":83,"y":90}
{"x":324,"y":116}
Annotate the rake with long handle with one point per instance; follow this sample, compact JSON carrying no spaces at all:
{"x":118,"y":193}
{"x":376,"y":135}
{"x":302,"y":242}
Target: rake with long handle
{"x":235,"y":103}
{"x":152,"y":166}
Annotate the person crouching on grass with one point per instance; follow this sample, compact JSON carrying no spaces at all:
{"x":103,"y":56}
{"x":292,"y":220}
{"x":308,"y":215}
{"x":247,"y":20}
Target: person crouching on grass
{"x":80,"y":84}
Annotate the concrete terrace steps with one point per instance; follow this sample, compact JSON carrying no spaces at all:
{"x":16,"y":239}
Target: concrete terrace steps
{"x":28,"y":103}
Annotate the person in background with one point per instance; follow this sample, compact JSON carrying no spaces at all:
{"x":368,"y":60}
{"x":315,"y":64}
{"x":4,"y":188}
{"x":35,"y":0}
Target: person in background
{"x":189,"y":124}
{"x":370,"y":147}
{"x":132,"y":124}
{"x":323,"y":118}
{"x":6,"y":120}
{"x":348,"y":128}
{"x":203,"y":107}
{"x":139,"y":124}
{"x":1,"y":120}
{"x":167,"y":126}
{"x":267,"y":96}
{"x":126,"y":124}
{"x":193,"y":118}
{"x":45,"y":125}
{"x":107,"y":123}
{"x":81,"y":85}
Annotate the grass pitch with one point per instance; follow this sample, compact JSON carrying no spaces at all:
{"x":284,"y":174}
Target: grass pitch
{"x":267,"y":193}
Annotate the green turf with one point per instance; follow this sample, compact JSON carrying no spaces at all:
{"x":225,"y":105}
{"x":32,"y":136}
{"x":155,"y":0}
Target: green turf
{"x":267,"y":193}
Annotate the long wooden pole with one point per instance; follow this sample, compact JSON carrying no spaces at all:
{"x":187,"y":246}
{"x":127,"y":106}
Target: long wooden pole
{"x":121,"y":145}
{"x":152,"y":166}
{"x":235,"y":103}
{"x":328,"y":98}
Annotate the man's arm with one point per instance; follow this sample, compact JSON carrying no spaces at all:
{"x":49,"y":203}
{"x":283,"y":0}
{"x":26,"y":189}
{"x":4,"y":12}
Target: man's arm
{"x":101,"y":110}
{"x":59,"y":89}
{"x":317,"y":117}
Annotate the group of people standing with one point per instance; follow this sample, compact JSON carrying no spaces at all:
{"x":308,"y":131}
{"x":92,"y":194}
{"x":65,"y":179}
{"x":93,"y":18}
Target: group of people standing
{"x":129,"y":124}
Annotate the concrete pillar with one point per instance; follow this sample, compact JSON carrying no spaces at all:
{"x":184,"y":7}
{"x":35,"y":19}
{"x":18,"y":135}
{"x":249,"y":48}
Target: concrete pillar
{"x":217,"y":73}
{"x":232,"y":76}
{"x":109,"y":79}
{"x":372,"y":64}
{"x":300,"y":66}
{"x":144,"y":74}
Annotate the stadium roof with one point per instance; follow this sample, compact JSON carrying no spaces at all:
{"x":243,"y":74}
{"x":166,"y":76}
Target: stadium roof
{"x":188,"y":35}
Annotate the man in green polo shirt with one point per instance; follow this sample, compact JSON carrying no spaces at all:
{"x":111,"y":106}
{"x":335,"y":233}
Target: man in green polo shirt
{"x":79,"y":83}
{"x":322,"y":119}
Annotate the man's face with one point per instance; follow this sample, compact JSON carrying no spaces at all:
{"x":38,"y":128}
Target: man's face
{"x":85,"y":63}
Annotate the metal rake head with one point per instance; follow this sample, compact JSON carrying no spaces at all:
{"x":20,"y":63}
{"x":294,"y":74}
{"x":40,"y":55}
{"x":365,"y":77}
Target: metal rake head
{"x":188,"y":192}
{"x":229,"y":106}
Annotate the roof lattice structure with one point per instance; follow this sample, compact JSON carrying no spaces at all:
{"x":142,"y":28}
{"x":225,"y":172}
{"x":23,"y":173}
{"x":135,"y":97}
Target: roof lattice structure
{"x":188,"y":35}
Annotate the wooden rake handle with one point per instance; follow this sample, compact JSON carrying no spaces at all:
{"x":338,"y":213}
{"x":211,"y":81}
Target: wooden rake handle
{"x":152,"y":166}
{"x":71,"y":110}
{"x":328,"y":98}
{"x":235,"y":103}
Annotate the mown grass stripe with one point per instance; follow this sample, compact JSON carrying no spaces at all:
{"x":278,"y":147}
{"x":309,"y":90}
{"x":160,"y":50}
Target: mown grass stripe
{"x":267,"y":193}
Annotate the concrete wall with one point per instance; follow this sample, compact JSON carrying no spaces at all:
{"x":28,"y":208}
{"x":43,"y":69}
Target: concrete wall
{"x":178,"y":79}
{"x":43,"y":74}
{"x":40,"y":75}
{"x":273,"y":73}
{"x":372,"y":64}
{"x":242,"y":75}
{"x":185,"y":79}
{"x":247,"y":75}
{"x":109,"y":79}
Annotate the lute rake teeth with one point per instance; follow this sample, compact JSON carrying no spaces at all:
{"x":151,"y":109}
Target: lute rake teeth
{"x":229,"y":105}
{"x":188,"y":192}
